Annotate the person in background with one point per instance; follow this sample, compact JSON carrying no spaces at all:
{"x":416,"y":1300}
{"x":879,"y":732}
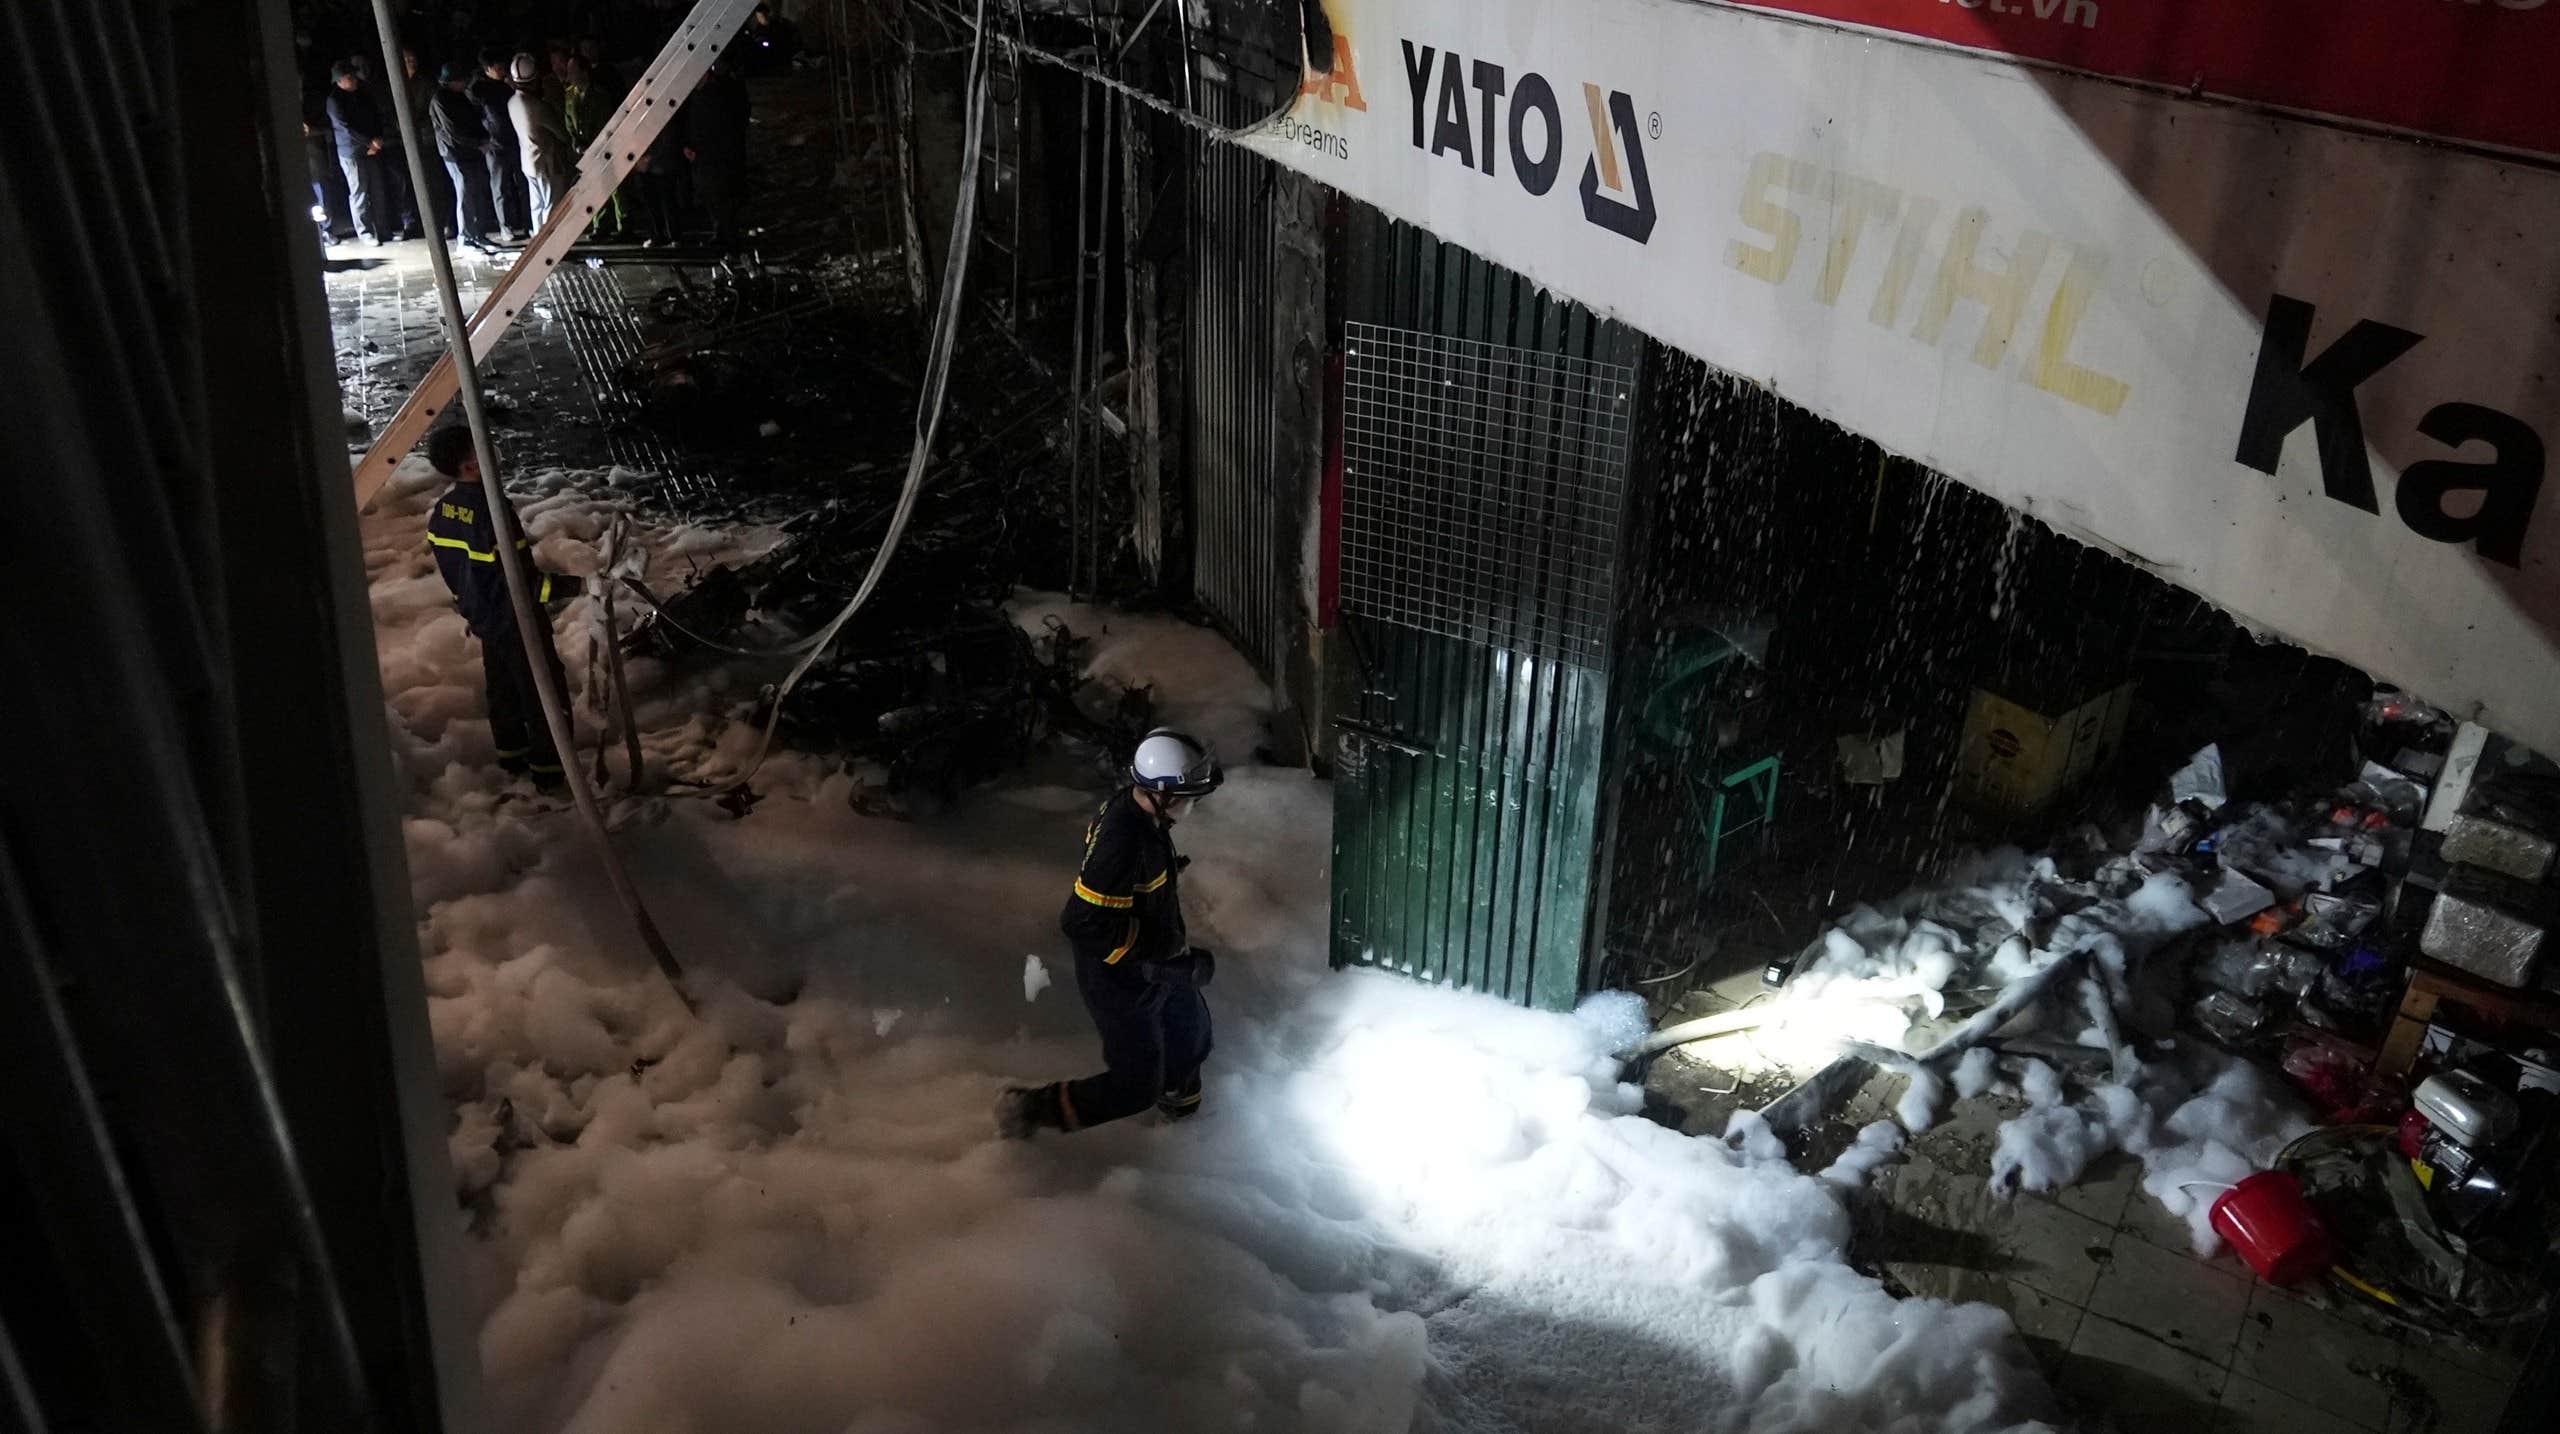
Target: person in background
{"x":462,"y":140}
{"x":771,"y":42}
{"x":583,"y":113}
{"x":659,"y":183}
{"x":715,"y":143}
{"x":606,"y":89}
{"x":603,"y":74}
{"x":506,"y":166}
{"x":329,"y":211}
{"x":465,"y":544}
{"x":437,"y":205}
{"x":550,"y":161}
{"x":363,"y":139}
{"x":1139,"y":974}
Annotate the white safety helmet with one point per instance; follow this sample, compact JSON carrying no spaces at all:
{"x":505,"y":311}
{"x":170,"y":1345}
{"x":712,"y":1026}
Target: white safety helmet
{"x":524,"y":69}
{"x":1175,"y":764}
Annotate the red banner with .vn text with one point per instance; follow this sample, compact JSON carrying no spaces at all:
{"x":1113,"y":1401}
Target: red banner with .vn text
{"x":2463,"y":69}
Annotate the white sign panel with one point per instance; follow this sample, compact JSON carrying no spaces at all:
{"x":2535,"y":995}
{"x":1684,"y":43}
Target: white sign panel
{"x":2306,"y":373}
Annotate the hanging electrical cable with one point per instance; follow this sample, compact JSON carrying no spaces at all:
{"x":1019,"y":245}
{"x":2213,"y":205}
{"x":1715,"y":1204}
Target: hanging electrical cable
{"x":532,"y":626}
{"x":929,"y":401}
{"x":928,"y":426}
{"x":1185,"y":112}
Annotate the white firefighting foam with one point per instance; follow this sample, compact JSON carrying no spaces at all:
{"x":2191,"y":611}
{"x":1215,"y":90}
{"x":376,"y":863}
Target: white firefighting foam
{"x":1403,"y":1208}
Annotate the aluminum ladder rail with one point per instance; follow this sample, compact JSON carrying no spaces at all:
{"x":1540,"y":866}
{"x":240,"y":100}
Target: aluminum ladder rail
{"x":636,"y":124}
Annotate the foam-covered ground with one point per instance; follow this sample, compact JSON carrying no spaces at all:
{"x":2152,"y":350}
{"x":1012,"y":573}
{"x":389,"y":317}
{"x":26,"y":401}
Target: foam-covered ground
{"x":1403,"y":1208}
{"x":2199,"y":1119}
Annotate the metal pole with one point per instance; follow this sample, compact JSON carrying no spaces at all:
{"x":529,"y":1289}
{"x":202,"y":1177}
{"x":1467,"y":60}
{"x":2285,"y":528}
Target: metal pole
{"x":1092,"y":554}
{"x":1143,"y":22}
{"x":1075,"y":380}
{"x":1021,"y":102}
{"x":1190,"y":101}
{"x":532,"y":627}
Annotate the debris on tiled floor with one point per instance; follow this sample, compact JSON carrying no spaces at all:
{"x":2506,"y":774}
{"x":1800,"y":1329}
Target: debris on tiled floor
{"x":2242,"y":979}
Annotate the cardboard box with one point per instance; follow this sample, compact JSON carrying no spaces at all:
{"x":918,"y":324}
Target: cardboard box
{"x":2015,"y":761}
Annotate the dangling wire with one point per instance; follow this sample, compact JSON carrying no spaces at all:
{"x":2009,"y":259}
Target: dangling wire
{"x":937,"y":376}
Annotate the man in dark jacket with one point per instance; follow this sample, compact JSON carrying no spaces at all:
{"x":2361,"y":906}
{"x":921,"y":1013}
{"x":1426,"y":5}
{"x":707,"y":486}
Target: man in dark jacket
{"x":462,"y":139}
{"x":1135,"y":965}
{"x":366,"y":153}
{"x":329,"y":208}
{"x":506,"y":172}
{"x":659,"y":184}
{"x":436,"y":206}
{"x":715,"y":142}
{"x":465,"y":544}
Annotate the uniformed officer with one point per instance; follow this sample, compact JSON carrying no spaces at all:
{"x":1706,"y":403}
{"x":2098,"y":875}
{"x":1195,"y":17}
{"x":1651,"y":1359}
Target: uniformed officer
{"x":1140,"y":975}
{"x":465,"y":545}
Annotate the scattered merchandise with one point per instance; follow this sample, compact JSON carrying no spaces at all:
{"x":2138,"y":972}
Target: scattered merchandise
{"x":2453,"y":788}
{"x":2199,"y":781}
{"x":2489,"y":925}
{"x":2508,"y":850}
{"x":2234,"y":897}
{"x":2466,"y":1108}
{"x":2244,"y":960}
{"x":1871,"y":761}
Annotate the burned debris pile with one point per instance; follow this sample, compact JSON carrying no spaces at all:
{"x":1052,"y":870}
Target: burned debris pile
{"x":934,"y":681}
{"x":2322,"y":1015}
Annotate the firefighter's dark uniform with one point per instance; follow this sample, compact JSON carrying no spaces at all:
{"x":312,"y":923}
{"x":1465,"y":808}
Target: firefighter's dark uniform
{"x":466,"y":547}
{"x":1136,"y":970}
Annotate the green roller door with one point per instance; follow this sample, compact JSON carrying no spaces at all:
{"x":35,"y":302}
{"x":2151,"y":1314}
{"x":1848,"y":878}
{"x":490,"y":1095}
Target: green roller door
{"x":1485,"y":444}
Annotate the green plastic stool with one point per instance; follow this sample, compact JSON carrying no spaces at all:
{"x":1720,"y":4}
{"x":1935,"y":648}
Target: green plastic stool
{"x":1756,"y":785}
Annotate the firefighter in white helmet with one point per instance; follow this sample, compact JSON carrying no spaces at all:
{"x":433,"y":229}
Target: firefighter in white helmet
{"x":1135,"y":964}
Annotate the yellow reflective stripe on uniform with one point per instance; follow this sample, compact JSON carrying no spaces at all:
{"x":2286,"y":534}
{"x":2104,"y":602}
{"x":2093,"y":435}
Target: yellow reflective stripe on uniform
{"x":1116,"y":903}
{"x":473,"y":553}
{"x":546,"y":589}
{"x":1114,"y":958}
{"x":1158,"y":884}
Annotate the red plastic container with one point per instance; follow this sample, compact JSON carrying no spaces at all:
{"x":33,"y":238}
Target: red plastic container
{"x":2413,"y":1133}
{"x":2266,"y":1219}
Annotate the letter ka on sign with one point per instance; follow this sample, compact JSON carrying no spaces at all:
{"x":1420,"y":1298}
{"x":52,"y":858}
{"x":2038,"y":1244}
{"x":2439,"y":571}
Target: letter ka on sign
{"x":2291,"y":389}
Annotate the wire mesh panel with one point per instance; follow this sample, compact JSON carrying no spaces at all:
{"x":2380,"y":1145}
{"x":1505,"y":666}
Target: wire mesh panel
{"x":1481,"y":491}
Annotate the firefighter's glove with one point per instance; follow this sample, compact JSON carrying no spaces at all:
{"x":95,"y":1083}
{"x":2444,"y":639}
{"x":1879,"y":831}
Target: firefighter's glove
{"x":1191,"y":970}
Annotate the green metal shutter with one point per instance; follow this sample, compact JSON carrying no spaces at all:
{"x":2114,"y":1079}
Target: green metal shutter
{"x":1486,"y":435}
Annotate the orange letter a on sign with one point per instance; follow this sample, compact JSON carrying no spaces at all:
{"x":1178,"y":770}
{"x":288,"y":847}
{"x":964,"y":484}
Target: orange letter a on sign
{"x":1343,"y":85}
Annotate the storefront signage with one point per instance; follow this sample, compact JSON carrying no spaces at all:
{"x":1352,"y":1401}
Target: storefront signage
{"x":2308,"y":371}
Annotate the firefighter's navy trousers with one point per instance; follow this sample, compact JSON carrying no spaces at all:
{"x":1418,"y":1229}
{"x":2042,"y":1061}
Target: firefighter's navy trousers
{"x":1155,"y":1036}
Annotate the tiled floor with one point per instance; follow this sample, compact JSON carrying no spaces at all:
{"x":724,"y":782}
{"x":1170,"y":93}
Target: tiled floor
{"x":2135,"y":1331}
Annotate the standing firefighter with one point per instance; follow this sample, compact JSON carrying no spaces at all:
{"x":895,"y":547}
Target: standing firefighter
{"x":1135,"y":964}
{"x":465,"y":544}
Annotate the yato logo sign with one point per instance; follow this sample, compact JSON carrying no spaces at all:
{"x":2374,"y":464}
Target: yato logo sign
{"x":1519,"y":113}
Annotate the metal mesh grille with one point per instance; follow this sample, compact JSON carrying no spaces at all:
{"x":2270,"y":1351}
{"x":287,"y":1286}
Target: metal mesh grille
{"x":1480,"y":491}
